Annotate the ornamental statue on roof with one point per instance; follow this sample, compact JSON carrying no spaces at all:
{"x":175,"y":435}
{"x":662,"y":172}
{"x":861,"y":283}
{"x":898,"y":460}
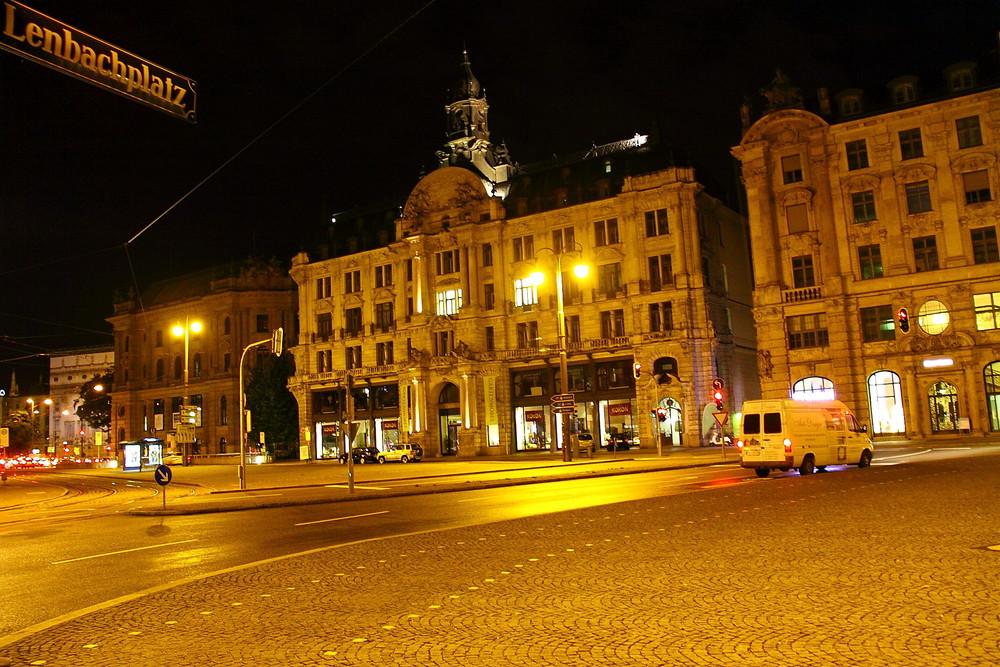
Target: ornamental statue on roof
{"x":781,"y":94}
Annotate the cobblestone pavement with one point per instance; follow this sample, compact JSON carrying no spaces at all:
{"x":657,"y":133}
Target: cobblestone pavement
{"x":885,"y":566}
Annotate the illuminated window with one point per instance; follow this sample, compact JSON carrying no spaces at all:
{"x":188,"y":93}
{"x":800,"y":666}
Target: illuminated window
{"x":525,"y":292}
{"x":933,"y":317}
{"x":870,"y":261}
{"x":877,"y":323}
{"x":987,"y":307}
{"x":813,"y":389}
{"x":449,"y":301}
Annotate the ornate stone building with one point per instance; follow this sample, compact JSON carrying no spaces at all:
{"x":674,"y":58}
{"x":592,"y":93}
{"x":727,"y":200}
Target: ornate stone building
{"x":442,"y":336}
{"x":235,"y":305}
{"x":874,"y":236}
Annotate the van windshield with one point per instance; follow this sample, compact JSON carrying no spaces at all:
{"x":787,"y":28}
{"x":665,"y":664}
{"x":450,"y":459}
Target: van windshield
{"x":772,"y":422}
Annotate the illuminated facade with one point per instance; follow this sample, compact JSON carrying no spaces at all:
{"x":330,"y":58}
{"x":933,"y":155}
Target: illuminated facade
{"x":68,"y":371}
{"x":235,"y":305}
{"x":874,"y":237}
{"x":443,"y":337}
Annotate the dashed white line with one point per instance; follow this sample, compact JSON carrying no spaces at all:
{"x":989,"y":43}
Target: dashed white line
{"x":123,"y":551}
{"x":341,"y":518}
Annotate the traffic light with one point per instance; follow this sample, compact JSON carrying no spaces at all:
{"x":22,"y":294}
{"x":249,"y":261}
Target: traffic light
{"x":718,"y":396}
{"x":636,"y":370}
{"x":661,"y":414}
{"x":903,"y":320}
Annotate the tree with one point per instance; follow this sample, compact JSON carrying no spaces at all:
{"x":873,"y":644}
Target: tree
{"x":22,"y":431}
{"x":273,"y":408}
{"x":95,"y":400}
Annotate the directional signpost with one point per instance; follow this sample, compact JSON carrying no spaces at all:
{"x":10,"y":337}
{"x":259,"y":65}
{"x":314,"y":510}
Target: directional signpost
{"x":563,"y":403}
{"x":162,"y":475}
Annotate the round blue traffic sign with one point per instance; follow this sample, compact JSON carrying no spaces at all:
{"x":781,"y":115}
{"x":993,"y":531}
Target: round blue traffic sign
{"x":162,"y":475}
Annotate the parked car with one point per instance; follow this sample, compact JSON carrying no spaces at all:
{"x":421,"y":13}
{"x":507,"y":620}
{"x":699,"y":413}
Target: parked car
{"x":618,"y":441}
{"x":173,"y":458}
{"x":362,"y":455}
{"x":586,"y":441}
{"x":403,"y":452}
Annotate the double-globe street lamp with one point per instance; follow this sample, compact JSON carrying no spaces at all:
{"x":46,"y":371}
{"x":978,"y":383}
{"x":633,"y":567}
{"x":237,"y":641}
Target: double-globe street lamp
{"x":581,"y":271}
{"x":33,"y":410}
{"x":185,"y":331}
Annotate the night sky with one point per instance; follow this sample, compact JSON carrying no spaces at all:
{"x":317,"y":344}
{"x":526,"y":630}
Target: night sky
{"x":83,"y":170}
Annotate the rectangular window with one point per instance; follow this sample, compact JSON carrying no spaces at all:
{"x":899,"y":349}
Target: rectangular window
{"x":490,"y":339}
{"x":525,"y":292}
{"x":791,"y":168}
{"x":803,"y":273}
{"x":797,"y":217}
{"x":870,"y":261}
{"x":563,"y":240}
{"x":449,"y":301}
{"x":408,"y":267}
{"x":925,"y":255}
{"x":262,"y":324}
{"x":487,"y":254}
{"x":353,"y":357}
{"x":383,"y":275}
{"x":609,"y":279}
{"x":409,"y":307}
{"x":863,"y":204}
{"x":918,"y":197}
{"x":573,"y":329}
{"x":987,"y":307}
{"x":661,"y":272}
{"x":857,"y":154}
{"x":352,"y":282}
{"x":977,"y":187}
{"x":969,"y":133}
{"x":527,"y":335}
{"x":384,"y":354}
{"x":447,"y":262}
{"x":489,"y":296}
{"x":385,"y":316}
{"x":352,"y":322}
{"x":661,"y":316}
{"x":612,"y":323}
{"x":606,"y":232}
{"x":807,"y":331}
{"x":656,"y":223}
{"x":524,"y":248}
{"x":324,"y":326}
{"x":443,"y":343}
{"x":910,"y":144}
{"x":878,"y":323}
{"x":323,"y":288}
{"x":984,"y":245}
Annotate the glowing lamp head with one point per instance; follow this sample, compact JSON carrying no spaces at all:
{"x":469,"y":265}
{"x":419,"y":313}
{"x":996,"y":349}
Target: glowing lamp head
{"x":581,"y":270}
{"x":536,"y":278}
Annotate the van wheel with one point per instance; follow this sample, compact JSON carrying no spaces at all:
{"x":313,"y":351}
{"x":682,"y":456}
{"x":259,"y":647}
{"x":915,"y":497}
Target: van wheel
{"x":808,"y":466}
{"x":762,"y":472}
{"x":866,"y":459}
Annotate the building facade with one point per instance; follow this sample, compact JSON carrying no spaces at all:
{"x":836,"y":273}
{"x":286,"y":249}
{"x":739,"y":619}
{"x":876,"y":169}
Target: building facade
{"x":223,"y":310}
{"x":68,"y":371}
{"x":874,"y":237}
{"x":446,"y":337}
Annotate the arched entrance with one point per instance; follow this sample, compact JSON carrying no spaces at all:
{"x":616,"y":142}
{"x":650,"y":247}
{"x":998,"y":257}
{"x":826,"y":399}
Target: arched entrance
{"x":449,"y":419}
{"x":885,"y":401}
{"x":669,"y":422}
{"x":991,"y":380}
{"x":942,"y":398}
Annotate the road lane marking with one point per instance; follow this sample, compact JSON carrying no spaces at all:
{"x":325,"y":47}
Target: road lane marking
{"x":880,"y":457}
{"x":341,"y":518}
{"x":356,"y":486}
{"x":123,"y":551}
{"x":256,"y":495}
{"x":469,"y":500}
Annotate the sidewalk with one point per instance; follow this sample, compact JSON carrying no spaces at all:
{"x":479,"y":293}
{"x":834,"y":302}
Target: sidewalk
{"x":216,"y":488}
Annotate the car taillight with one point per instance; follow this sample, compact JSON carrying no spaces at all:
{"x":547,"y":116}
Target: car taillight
{"x":788,"y":446}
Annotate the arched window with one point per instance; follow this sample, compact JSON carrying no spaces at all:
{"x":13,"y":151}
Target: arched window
{"x":159,"y":370}
{"x":942,"y":398}
{"x":885,"y":401}
{"x":449,"y":394}
{"x":991,"y":379}
{"x":178,"y":368}
{"x":813,"y":389}
{"x":196,"y":365}
{"x":223,"y":411}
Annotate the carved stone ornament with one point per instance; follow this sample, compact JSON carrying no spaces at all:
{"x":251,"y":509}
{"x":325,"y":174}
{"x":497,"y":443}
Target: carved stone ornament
{"x":764,"y":365}
{"x":754,"y":177}
{"x":915,"y":172}
{"x":860,"y":183}
{"x":938,"y":343}
{"x":796,"y":196}
{"x":972,"y":162}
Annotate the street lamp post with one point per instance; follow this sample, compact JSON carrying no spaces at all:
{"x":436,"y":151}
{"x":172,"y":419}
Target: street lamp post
{"x":580,"y":271}
{"x":43,"y":423}
{"x":185,"y":331}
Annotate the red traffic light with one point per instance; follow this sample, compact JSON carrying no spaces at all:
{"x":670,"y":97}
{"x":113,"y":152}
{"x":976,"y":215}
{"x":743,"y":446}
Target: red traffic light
{"x":718,"y":397}
{"x":903,"y":319}
{"x":661,"y":414}
{"x":636,"y":370}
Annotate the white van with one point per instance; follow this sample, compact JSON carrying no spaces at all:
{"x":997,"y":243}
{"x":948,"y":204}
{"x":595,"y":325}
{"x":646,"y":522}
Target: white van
{"x":808,"y":435}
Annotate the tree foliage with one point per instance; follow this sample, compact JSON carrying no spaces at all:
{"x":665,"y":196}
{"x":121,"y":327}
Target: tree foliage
{"x":272,"y":407}
{"x":22,"y":431}
{"x":95,"y":404}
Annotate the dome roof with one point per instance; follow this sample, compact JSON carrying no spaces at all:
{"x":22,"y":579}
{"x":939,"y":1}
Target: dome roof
{"x":467,"y":86}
